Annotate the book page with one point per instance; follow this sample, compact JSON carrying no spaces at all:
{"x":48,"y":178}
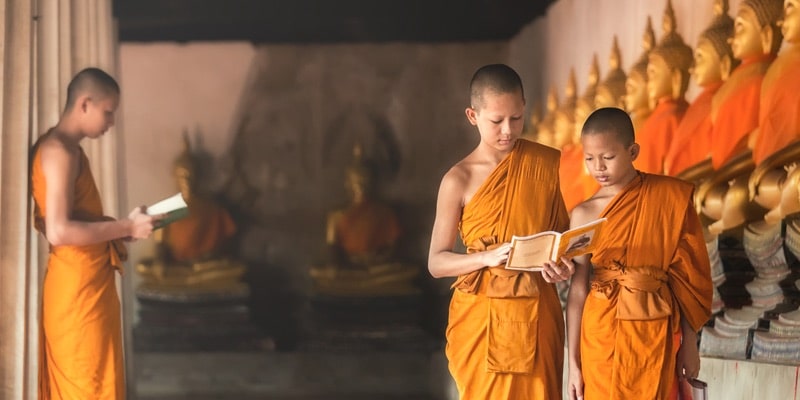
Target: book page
{"x":580,"y":240}
{"x":174,"y":206}
{"x":531,"y":252}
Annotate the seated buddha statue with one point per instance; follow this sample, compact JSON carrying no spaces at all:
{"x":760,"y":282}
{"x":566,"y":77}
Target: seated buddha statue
{"x":564,"y":116}
{"x":532,"y":127}
{"x":577,"y":184}
{"x":545,"y":129}
{"x":689,"y":154}
{"x":667,"y":81}
{"x":194,"y":251}
{"x":724,"y":197}
{"x":611,"y":90}
{"x":636,"y":101}
{"x":776,"y":149}
{"x":360,"y":242}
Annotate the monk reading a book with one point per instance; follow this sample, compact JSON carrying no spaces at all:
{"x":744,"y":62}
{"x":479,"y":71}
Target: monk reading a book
{"x":632,"y":329}
{"x":505,"y":335}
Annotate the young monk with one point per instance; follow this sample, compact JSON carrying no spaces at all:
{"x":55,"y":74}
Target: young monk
{"x":80,"y":348}
{"x":633,"y":330}
{"x":505,"y":335}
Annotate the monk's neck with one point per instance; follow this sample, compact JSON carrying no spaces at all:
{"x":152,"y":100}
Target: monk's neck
{"x":68,"y":131}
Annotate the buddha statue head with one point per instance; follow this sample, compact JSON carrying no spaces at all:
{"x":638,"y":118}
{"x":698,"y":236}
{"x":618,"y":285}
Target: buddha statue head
{"x":668,"y":63}
{"x":790,"y":25}
{"x":358,"y":177}
{"x":713,"y":58}
{"x":611,"y":91}
{"x":564,"y":119}
{"x":545,"y":130}
{"x":636,"y":82}
{"x":585,"y":104}
{"x":755,"y":31}
{"x":185,"y":171}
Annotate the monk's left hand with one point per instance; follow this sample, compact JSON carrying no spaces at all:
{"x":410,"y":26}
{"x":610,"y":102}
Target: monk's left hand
{"x":688,"y":360}
{"x":552,"y":272}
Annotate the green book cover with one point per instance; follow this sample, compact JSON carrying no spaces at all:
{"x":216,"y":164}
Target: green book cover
{"x":174,"y":206}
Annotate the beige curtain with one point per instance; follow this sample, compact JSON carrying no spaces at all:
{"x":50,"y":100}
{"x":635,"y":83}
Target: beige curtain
{"x":44,"y":42}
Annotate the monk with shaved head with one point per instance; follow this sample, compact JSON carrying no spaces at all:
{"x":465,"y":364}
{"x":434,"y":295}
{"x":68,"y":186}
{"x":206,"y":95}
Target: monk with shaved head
{"x":632,"y":329}
{"x":80,"y":351}
{"x":505,"y":332}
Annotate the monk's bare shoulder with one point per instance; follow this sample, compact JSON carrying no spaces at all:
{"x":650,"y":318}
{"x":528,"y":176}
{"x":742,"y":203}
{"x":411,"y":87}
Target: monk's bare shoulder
{"x":454,"y":182}
{"x":589,"y":210}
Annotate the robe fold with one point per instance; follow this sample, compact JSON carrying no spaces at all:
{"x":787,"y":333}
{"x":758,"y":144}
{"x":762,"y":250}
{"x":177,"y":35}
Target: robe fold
{"x":779,"y":117}
{"x":576,"y":183}
{"x":692,"y":141}
{"x":657,"y":133}
{"x":80,"y":347}
{"x":650,"y":268}
{"x":734,"y":110}
{"x":505,"y":333}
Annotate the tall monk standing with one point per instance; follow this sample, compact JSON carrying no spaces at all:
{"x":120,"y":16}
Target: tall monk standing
{"x":80,"y":351}
{"x":505,"y":332}
{"x":634,"y":329}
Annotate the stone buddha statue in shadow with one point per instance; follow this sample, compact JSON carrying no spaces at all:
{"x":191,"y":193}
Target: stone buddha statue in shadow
{"x":194,"y":252}
{"x":724,"y":196}
{"x":361,"y":239}
{"x":635,"y":100}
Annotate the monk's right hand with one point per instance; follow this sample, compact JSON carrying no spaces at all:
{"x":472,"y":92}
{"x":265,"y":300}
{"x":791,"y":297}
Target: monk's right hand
{"x":575,"y":384}
{"x":142,"y":224}
{"x":496,"y":256}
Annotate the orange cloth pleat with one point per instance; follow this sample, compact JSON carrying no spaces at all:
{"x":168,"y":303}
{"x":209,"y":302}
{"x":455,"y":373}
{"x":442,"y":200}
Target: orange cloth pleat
{"x":80,"y":349}
{"x":656,"y":135}
{"x":505,"y":333}
{"x":780,"y":106}
{"x":651,"y":268}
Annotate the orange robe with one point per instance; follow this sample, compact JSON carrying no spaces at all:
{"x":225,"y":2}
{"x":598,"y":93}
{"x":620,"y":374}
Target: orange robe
{"x":734,"y":110}
{"x":80,"y":347}
{"x":505,"y":333}
{"x":779,"y":119}
{"x":692,"y":141}
{"x":367,"y":228}
{"x":201,"y":233}
{"x":576,"y":183}
{"x":650,"y":268}
{"x":657,"y":133}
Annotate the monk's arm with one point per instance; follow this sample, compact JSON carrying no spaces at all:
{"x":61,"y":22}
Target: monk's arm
{"x":578,"y":290}
{"x":60,"y":168}
{"x":442,"y":260}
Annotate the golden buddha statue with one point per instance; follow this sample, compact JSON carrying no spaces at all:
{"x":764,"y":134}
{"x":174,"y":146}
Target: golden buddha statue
{"x":564,"y":117}
{"x":195,"y":251}
{"x":667,"y":81}
{"x":611,"y":91}
{"x":545,"y":129}
{"x":725,"y":197}
{"x":532,"y":127}
{"x":776,"y":149}
{"x":360,"y":241}
{"x":689,"y":154}
{"x":636,"y":99}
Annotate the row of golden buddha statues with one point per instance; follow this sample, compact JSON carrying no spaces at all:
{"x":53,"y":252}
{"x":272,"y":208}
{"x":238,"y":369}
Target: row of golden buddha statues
{"x":737,"y":142}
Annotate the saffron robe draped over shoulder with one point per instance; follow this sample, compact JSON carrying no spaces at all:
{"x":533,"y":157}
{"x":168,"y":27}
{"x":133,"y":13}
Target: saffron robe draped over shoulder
{"x":692,"y":140}
{"x":780,"y":105}
{"x":80,"y":347}
{"x":650,"y":268}
{"x":505,"y":333}
{"x":657,"y":133}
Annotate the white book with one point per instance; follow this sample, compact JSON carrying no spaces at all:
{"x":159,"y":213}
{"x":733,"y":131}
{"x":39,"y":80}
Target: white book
{"x":529,"y":253}
{"x":174,"y":206}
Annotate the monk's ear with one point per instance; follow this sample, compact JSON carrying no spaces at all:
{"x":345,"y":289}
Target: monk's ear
{"x":82,"y":103}
{"x":472,"y":115}
{"x":634,"y":151}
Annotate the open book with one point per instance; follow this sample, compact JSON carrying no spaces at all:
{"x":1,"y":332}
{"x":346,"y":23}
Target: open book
{"x":174,"y":206}
{"x":529,"y":253}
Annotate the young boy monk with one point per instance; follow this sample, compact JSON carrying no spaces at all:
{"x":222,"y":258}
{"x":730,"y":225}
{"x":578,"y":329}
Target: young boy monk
{"x":80,"y":349}
{"x":632,"y":329}
{"x":505,"y":335}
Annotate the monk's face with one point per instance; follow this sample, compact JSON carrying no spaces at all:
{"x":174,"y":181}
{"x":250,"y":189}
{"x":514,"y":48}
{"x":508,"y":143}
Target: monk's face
{"x":98,"y":114}
{"x":499,"y":118}
{"x":707,"y":65}
{"x":607,"y":158}
{"x":635,"y":92}
{"x":791,"y":21}
{"x":659,"y":80}
{"x":746,"y":42}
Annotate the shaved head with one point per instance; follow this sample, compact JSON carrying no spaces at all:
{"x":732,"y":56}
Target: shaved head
{"x":496,"y":78}
{"x":610,"y":120}
{"x":93,"y":82}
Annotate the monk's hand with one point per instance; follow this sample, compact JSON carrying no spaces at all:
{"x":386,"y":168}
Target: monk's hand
{"x":552,"y":272}
{"x":575,"y":383}
{"x":142,"y":224}
{"x":688,"y":360}
{"x":496,"y":256}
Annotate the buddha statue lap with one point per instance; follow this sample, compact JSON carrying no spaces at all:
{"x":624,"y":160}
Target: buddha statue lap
{"x":724,"y":197}
{"x":193,"y":253}
{"x":776,"y":149}
{"x":667,"y":81}
{"x":361,"y":240}
{"x":689,"y":154}
{"x":636,"y":99}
